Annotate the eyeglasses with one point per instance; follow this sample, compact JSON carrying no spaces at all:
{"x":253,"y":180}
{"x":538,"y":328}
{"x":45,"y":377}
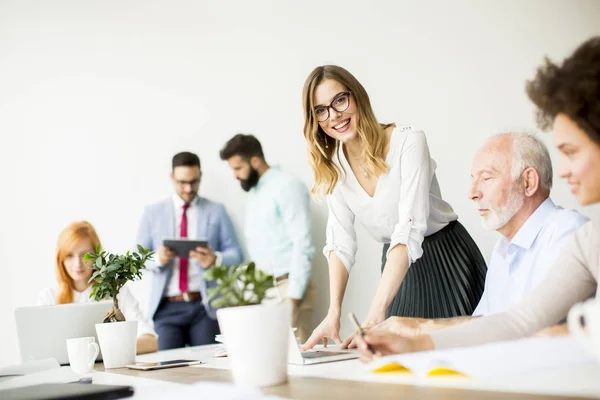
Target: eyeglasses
{"x":340,"y":103}
{"x":191,"y":183}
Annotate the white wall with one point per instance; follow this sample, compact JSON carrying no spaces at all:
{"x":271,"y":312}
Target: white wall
{"x":96,"y":97}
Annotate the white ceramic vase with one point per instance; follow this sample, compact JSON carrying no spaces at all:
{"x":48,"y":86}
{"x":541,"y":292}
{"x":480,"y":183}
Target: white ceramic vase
{"x":118,"y":341}
{"x":257,"y":342}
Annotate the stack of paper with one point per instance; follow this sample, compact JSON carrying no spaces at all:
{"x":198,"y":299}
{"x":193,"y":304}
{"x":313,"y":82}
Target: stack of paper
{"x":28,"y":367}
{"x":490,"y":360}
{"x":221,"y":349}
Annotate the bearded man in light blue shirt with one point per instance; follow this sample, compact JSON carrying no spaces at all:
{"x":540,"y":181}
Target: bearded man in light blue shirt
{"x":277,"y":226}
{"x":511,"y":182}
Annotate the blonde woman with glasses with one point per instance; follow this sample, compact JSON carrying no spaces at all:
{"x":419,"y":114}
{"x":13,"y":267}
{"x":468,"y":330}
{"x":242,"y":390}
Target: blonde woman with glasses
{"x":567,"y":97}
{"x":383,"y":176}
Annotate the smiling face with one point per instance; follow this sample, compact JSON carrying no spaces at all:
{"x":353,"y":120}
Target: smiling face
{"x":79,"y":271}
{"x":497,"y":196}
{"x":580,"y":159}
{"x":342,"y":125}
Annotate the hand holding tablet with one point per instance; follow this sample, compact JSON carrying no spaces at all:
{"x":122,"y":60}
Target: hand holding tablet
{"x":183,"y":246}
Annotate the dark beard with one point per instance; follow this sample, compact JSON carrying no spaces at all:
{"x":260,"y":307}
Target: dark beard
{"x":250,"y":181}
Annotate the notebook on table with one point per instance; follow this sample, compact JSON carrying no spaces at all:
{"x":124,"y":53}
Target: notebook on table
{"x":490,"y":360}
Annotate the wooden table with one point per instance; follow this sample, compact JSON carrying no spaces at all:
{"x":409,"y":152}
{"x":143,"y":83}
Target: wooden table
{"x":300,"y":388}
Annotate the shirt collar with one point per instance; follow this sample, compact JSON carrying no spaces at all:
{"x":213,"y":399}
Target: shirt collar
{"x":178,"y":201}
{"x":86,"y":293}
{"x":265,"y":177}
{"x":534,"y":224}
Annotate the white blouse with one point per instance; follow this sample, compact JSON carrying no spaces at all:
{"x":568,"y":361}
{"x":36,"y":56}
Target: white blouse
{"x":407,"y":204}
{"x":127,"y":304}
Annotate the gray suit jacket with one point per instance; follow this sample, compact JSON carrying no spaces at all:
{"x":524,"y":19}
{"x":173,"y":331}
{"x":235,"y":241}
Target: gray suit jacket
{"x":158,"y":222}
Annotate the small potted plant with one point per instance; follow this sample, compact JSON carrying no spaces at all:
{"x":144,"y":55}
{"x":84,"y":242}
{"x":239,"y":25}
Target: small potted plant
{"x":117,"y":337}
{"x":256,"y":334}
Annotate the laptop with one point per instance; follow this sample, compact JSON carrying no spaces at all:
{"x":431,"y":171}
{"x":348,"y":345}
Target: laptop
{"x":295,"y":356}
{"x":43,"y":331}
{"x":64,"y":391}
{"x":322,"y":355}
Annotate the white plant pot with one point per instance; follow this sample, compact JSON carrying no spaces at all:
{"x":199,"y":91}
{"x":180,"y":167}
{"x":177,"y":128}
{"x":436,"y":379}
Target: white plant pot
{"x":118,"y":341}
{"x":257,"y":343}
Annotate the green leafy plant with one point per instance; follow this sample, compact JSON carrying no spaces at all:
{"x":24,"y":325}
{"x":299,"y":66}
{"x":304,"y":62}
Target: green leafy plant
{"x":112,"y":272}
{"x":240,"y":285}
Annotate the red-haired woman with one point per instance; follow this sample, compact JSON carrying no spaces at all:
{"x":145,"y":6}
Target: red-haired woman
{"x":73,"y":277}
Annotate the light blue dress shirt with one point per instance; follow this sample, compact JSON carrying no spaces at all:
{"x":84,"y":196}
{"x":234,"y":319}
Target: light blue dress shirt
{"x":519,"y":265}
{"x":278,"y":228}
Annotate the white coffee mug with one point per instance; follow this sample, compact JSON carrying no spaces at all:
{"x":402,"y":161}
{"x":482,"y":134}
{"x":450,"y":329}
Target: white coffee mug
{"x":588,"y":313}
{"x":82,"y":354}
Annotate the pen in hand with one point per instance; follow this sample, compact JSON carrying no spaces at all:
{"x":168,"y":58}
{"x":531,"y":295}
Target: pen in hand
{"x":360,"y":330}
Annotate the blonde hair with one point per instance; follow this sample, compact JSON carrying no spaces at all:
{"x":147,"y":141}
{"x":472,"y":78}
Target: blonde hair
{"x":322,"y":147}
{"x":67,"y":240}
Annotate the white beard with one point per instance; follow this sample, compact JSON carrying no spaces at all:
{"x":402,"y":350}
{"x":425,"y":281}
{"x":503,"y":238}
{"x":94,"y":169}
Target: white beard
{"x":500,"y":216}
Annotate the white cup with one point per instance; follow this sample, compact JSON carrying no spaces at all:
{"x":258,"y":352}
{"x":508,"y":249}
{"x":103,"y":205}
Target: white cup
{"x":589,"y":313}
{"x":82,"y":354}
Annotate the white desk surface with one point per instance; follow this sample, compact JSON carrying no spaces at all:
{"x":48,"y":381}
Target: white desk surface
{"x":582,"y":381}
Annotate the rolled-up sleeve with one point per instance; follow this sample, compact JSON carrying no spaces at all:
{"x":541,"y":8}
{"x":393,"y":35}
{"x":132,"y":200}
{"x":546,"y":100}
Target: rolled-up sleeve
{"x":340,"y":232}
{"x":415,"y":185}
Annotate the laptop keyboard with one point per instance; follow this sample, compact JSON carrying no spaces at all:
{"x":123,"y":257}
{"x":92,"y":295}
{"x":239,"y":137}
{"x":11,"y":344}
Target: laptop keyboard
{"x":319,"y":354}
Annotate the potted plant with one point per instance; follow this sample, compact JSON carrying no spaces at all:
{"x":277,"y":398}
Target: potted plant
{"x":117,"y":337}
{"x":256,"y":334}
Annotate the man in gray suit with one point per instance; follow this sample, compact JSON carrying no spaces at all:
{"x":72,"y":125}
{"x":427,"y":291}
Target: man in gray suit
{"x":180,"y":316}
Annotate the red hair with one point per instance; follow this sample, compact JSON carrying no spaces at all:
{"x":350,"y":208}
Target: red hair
{"x":68,"y":238}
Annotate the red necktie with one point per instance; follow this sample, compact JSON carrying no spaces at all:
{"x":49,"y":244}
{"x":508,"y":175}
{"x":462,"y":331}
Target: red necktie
{"x":183,"y":262}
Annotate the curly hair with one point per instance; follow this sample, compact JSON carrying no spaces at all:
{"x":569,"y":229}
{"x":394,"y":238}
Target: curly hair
{"x":572,"y":88}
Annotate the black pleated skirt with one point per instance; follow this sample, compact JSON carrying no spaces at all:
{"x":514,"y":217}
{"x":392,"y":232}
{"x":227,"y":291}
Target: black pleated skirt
{"x":447,"y":281}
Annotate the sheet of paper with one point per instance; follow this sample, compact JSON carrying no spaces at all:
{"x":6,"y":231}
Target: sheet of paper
{"x":57,"y":375}
{"x":29,"y":367}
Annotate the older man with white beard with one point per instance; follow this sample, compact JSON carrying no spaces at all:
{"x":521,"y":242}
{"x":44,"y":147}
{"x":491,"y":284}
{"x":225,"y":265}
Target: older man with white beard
{"x":511,"y":182}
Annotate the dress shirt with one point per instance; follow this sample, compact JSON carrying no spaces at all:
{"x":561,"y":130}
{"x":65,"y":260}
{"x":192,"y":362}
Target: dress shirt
{"x":519,"y":265}
{"x":278,"y":228}
{"x":407,"y":204}
{"x":572,"y":278}
{"x":127,"y":304}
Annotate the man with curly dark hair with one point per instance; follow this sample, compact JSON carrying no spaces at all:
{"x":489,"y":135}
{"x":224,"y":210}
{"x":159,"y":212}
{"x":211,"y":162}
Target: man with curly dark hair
{"x":568,"y":99}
